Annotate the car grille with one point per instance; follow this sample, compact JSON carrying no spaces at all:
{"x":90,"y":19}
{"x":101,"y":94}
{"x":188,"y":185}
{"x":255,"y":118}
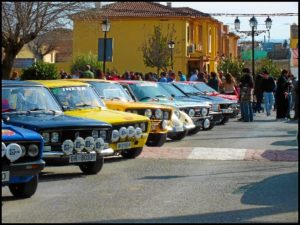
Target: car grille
{"x":197,"y":111}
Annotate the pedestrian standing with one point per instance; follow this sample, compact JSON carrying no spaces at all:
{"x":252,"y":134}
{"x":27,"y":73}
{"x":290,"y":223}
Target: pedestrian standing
{"x":282,"y":96}
{"x":181,"y":76}
{"x":296,"y":90}
{"x":267,"y":87}
{"x":201,"y":77}
{"x":88,"y":73}
{"x":213,"y":81}
{"x":194,"y":76}
{"x":163,"y":77}
{"x":229,"y":84}
{"x":246,"y":96}
{"x":258,"y":92}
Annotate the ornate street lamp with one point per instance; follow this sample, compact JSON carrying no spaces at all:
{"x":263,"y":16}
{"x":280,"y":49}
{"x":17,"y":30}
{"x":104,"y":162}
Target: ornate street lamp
{"x":105,"y":29}
{"x":171,"y":45}
{"x":254,"y":31}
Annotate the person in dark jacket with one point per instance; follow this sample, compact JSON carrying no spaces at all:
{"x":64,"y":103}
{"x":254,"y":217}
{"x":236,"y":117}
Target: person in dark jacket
{"x":213,"y":81}
{"x":258,"y":92}
{"x":282,"y":96}
{"x":267,"y":87}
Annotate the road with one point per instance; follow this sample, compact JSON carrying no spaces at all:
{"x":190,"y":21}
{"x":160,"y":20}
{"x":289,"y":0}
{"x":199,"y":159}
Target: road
{"x":174,"y":190}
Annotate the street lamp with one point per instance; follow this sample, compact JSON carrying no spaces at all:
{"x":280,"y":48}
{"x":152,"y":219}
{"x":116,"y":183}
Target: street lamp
{"x":105,"y":29}
{"x":171,"y":45}
{"x":254,"y":31}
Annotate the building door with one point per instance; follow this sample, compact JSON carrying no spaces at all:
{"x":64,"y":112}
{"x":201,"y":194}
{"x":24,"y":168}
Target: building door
{"x":192,"y":66}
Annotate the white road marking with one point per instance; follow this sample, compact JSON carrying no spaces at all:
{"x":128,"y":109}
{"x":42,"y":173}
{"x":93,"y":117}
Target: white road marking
{"x":217,"y":153}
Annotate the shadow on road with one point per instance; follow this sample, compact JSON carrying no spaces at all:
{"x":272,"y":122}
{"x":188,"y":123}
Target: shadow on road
{"x":273,"y":195}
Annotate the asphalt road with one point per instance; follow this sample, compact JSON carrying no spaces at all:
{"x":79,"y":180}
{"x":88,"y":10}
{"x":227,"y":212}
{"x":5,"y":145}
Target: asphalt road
{"x":148,"y":190}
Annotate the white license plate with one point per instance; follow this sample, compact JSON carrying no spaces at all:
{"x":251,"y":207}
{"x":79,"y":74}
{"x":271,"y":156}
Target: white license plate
{"x":82,"y":157}
{"x":5,"y":176}
{"x":154,"y":126}
{"x":124,"y":145}
{"x":227,"y":111}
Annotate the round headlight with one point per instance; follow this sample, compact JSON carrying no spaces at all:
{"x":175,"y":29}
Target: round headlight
{"x":79,"y":144}
{"x":123,"y":132}
{"x":99,"y":144}
{"x":89,"y":143}
{"x":103,"y":134}
{"x":191,"y":112}
{"x":131,"y":131}
{"x":138,"y":132}
{"x":148,"y":113}
{"x":13,"y":152}
{"x":54,"y":137}
{"x":67,"y":147}
{"x":158,"y":114}
{"x":143,"y":127}
{"x":115,"y":136}
{"x":33,"y":150}
{"x":204,"y":111}
{"x":206,"y":123}
{"x":166,"y":115}
{"x":164,"y":124}
{"x":46,"y":137}
{"x":95,"y":134}
{"x":23,"y":150}
{"x":3,"y":149}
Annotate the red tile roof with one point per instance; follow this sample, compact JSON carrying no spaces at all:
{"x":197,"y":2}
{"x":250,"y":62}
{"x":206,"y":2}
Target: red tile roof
{"x":138,"y":9}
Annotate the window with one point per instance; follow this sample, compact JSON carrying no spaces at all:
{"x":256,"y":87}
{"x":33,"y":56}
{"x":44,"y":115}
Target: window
{"x":209,"y":41}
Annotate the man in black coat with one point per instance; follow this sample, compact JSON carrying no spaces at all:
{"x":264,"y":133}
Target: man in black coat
{"x":282,"y":95}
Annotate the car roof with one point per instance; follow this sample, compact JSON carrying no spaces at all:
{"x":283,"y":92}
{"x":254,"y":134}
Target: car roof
{"x":60,"y":83}
{"x":19,"y":83}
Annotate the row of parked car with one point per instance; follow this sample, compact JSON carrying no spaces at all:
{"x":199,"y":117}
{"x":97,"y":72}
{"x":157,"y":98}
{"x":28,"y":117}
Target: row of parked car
{"x":81,"y":121}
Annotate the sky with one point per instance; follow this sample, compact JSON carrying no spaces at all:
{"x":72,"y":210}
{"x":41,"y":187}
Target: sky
{"x":280,"y":29}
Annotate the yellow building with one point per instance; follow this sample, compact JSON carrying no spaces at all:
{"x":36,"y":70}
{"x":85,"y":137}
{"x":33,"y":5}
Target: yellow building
{"x":196,"y":35}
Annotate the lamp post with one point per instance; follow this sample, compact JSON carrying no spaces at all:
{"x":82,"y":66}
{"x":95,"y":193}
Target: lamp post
{"x":253,"y":32}
{"x":105,"y":29}
{"x":171,"y":45}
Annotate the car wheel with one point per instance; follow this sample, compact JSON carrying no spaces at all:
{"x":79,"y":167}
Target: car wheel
{"x":176,"y":136}
{"x":24,"y":190}
{"x":156,"y":140}
{"x":131,"y":153}
{"x":92,"y":167}
{"x":194,"y":130}
{"x":211,"y":126}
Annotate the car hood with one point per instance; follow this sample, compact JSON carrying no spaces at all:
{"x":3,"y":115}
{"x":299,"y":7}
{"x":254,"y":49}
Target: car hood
{"x":107,"y":115}
{"x":178,"y":104}
{"x":13,"y":133}
{"x":120,"y":105}
{"x":39,"y":121}
{"x":213,"y":99}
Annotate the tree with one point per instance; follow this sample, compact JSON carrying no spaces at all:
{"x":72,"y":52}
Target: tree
{"x":79,"y":64}
{"x":40,"y":71}
{"x":23,"y":21}
{"x":156,"y":53}
{"x":234,"y":67}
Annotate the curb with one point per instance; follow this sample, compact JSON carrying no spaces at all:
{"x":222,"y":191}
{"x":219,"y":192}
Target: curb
{"x":203,"y":153}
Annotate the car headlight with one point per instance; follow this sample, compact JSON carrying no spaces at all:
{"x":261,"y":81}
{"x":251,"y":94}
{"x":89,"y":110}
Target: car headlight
{"x":67,"y":147}
{"x":13,"y":152}
{"x":103,"y":134}
{"x":148,"y":113}
{"x":164,"y":124}
{"x":166,"y":115}
{"x":123,"y":132}
{"x":3,"y":149}
{"x":89,"y":144}
{"x":95,"y":134}
{"x":23,"y":150}
{"x":115,"y":136}
{"x":204,"y":111}
{"x":79,"y":144}
{"x":138,"y":132}
{"x":158,"y":114}
{"x":46,"y":137}
{"x":191,"y":113}
{"x":33,"y":150}
{"x":131,"y":131}
{"x":99,"y":144}
{"x":143,"y":127}
{"x":54,"y":137}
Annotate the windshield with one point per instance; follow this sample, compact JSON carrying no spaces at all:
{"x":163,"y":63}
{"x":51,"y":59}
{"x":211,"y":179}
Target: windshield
{"x":204,"y":88}
{"x":188,"y":89}
{"x":149,"y":90}
{"x":28,"y":98}
{"x":111,"y":91}
{"x":172,"y":90}
{"x":74,"y":97}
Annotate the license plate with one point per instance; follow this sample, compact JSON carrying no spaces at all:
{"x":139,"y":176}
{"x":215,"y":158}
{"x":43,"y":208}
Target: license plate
{"x":82,"y":157}
{"x":154,"y":126}
{"x":5,"y":176}
{"x":227,"y":111}
{"x":124,"y":145}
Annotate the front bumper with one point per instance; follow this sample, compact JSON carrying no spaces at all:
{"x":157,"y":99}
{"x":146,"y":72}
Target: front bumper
{"x":198,"y":121}
{"x":20,"y":172}
{"x":216,"y":117}
{"x":134,"y":143}
{"x":54,"y":154}
{"x":156,"y":127}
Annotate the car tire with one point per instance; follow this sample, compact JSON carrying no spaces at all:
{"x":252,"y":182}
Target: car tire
{"x":177,"y":136}
{"x":156,"y":140}
{"x":24,"y":190}
{"x":131,"y":153}
{"x":211,"y":126}
{"x":91,"y":168}
{"x":194,"y":130}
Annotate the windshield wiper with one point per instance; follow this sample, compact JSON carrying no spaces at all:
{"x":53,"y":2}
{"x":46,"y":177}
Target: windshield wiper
{"x":35,"y":109}
{"x":147,"y":97}
{"x":160,"y":96}
{"x":84,"y":105}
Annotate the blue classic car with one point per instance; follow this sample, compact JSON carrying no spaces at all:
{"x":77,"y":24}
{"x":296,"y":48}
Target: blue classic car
{"x":21,"y":160}
{"x":67,"y":139}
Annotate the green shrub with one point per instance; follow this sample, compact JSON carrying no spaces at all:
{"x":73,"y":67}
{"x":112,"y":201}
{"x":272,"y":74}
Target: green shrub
{"x":81,"y":61}
{"x":40,"y":71}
